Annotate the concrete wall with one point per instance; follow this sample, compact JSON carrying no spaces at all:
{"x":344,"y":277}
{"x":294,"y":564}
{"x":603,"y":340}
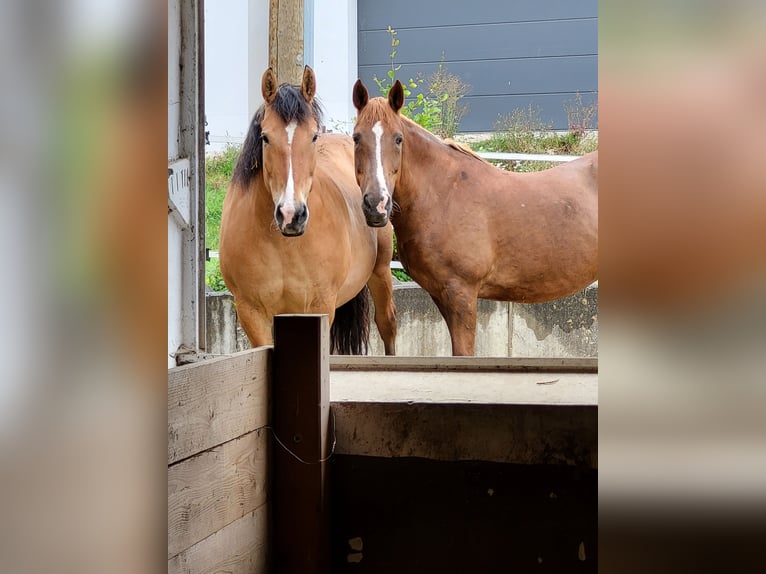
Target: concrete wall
{"x":564,"y":328}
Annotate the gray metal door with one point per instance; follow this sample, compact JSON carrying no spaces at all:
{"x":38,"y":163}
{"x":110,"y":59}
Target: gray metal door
{"x":513,"y":53}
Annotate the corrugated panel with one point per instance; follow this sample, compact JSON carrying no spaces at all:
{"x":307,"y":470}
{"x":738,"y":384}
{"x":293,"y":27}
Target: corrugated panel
{"x":484,"y":111}
{"x":484,"y":42}
{"x":513,"y":54}
{"x":400,"y":14}
{"x":506,"y":77}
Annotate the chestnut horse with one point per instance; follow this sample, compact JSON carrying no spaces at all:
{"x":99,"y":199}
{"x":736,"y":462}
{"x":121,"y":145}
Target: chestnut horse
{"x":293,"y":238}
{"x":467,"y":229}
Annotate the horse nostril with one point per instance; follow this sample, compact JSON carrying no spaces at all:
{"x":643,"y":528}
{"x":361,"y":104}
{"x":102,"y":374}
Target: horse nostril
{"x":369,"y":201}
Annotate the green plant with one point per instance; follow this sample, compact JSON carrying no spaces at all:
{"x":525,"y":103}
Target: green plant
{"x":218,"y":171}
{"x":425,"y":110}
{"x":401,"y":275}
{"x":524,"y":131}
{"x":579,"y":116}
{"x":447,"y":90}
{"x":213,"y":277}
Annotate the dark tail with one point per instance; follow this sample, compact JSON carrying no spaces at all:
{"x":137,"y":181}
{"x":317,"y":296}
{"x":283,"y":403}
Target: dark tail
{"x":350,"y":331}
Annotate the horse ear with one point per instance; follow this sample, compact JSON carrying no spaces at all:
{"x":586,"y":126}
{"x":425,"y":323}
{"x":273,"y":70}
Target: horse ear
{"x":309,"y":86}
{"x":396,"y":96}
{"x":269,"y":85}
{"x":360,"y":95}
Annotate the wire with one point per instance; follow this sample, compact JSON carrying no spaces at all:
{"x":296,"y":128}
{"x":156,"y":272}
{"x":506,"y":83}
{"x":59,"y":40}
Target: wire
{"x":299,"y":459}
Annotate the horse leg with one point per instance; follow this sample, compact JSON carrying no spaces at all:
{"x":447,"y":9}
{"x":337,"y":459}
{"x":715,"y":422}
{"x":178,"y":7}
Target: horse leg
{"x":257,"y":325}
{"x":381,"y":290}
{"x":458,"y":305}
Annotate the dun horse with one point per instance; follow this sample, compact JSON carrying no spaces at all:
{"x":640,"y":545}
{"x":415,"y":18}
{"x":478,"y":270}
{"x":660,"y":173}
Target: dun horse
{"x":466,"y":229}
{"x":293,"y":238}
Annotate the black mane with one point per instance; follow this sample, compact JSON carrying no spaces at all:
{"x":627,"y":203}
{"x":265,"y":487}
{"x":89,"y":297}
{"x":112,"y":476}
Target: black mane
{"x":290,"y":104}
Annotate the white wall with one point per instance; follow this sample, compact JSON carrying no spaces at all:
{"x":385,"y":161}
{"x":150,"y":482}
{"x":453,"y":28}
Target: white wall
{"x":226,"y":71}
{"x":175,"y":289}
{"x":185,"y":279}
{"x":174,"y":78}
{"x":175,"y":241}
{"x":258,"y":52}
{"x":236,"y":55}
{"x":335,"y":60}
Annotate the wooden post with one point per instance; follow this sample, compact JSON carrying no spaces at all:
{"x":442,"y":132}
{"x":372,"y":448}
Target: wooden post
{"x":286,"y":40}
{"x":301,"y":410}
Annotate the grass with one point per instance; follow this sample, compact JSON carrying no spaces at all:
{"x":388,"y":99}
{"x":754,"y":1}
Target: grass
{"x":218,"y":171}
{"x":524,"y":131}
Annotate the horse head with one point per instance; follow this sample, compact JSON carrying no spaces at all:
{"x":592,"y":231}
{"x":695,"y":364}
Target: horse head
{"x":378,"y":138}
{"x":289,"y":128}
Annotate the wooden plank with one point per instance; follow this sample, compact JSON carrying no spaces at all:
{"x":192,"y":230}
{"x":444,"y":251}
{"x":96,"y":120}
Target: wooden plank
{"x":286,"y":40}
{"x":513,"y":364}
{"x":273,"y":34}
{"x":214,"y":488}
{"x":215,"y":401}
{"x":239,"y":548}
{"x":301,"y":394}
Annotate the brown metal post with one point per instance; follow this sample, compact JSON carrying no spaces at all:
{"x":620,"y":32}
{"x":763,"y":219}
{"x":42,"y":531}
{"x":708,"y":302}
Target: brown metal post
{"x":300,"y":419}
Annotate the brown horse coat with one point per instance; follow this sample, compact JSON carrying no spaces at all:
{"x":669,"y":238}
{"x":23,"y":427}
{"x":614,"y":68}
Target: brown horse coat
{"x":322,"y":266}
{"x":466,"y":229}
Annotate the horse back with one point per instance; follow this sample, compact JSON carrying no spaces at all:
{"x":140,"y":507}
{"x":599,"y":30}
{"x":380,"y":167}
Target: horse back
{"x":512,"y":236}
{"x":588,"y":164}
{"x":335,"y":154}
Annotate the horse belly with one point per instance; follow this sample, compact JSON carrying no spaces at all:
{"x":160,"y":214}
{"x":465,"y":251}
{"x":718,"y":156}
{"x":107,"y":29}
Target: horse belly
{"x":360,"y":269}
{"x":545,"y":270}
{"x":515,"y":281}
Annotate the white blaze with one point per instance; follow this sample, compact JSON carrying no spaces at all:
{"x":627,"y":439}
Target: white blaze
{"x":288,"y":198}
{"x":377,"y":129}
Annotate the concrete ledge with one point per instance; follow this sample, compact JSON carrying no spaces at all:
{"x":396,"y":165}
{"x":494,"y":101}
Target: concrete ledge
{"x":566,"y":327}
{"x":520,"y":417}
{"x":517,"y":434}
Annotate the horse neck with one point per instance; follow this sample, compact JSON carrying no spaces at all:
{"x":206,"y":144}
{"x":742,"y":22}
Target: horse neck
{"x":424,"y":154}
{"x":259,"y":206}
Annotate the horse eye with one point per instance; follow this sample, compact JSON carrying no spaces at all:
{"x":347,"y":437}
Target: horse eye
{"x":314,"y":139}
{"x":356,"y":137}
{"x":398,"y":139}
{"x":265,"y":139}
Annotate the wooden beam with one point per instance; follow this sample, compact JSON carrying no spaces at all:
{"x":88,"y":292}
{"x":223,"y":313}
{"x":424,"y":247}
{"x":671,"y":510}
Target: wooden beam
{"x":215,"y":401}
{"x":239,"y":548}
{"x":286,"y":40}
{"x":301,"y":409}
{"x":213,"y":489}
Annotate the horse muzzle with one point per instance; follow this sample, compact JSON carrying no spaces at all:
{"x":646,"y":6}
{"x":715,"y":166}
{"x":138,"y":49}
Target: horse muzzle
{"x":291,"y":220}
{"x":375,"y":212}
